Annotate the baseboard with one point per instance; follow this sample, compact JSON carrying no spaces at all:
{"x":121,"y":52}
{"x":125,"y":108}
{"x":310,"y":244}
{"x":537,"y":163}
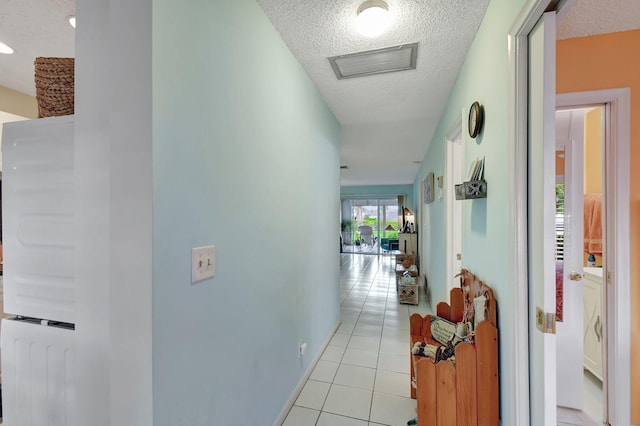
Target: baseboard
{"x":285,"y":410}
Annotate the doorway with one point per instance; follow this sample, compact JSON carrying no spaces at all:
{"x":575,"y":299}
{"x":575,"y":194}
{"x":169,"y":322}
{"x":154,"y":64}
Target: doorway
{"x":607,"y":282}
{"x":454,"y":174}
{"x":369,"y":226}
{"x":535,"y":392}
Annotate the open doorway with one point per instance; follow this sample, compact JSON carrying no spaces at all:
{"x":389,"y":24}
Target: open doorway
{"x":454,"y":174}
{"x":534,"y":103}
{"x":369,"y":226}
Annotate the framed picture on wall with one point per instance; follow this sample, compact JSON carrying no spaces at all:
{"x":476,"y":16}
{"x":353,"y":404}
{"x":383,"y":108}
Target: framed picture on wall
{"x":427,"y":187}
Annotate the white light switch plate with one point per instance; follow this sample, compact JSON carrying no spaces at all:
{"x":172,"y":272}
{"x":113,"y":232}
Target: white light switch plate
{"x":203,"y":263}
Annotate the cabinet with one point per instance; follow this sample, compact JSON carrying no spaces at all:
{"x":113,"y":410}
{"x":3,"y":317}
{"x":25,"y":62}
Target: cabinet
{"x":593,"y":325}
{"x":409,"y":243}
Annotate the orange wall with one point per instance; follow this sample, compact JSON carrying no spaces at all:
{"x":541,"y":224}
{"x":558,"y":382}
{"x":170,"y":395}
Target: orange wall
{"x":593,"y":151}
{"x":605,"y":62}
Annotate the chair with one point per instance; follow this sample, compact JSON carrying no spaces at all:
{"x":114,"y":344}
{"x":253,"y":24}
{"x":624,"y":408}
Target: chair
{"x":389,"y":244}
{"x":366,"y":233}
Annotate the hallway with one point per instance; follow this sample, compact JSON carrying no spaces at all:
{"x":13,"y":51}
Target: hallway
{"x":362,"y":377}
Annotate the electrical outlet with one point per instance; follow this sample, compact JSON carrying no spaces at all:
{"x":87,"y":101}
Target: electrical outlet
{"x":302,"y":349}
{"x":203,"y":263}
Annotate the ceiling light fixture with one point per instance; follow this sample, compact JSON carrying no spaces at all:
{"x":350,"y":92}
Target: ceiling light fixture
{"x":372,"y":18}
{"x":72,"y":20}
{"x":5,"y":49}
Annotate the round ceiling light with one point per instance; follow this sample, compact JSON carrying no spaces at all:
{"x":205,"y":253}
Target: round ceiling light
{"x":72,"y":20}
{"x":372,"y":18}
{"x":5,"y":49}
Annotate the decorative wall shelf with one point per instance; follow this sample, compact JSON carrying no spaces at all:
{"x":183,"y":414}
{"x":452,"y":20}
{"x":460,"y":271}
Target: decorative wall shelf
{"x":471,"y":190}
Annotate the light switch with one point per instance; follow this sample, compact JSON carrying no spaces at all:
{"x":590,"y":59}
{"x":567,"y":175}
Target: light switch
{"x":203,"y":263}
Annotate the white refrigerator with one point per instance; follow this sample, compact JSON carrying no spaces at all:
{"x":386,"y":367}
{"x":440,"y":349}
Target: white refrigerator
{"x":37,"y":341}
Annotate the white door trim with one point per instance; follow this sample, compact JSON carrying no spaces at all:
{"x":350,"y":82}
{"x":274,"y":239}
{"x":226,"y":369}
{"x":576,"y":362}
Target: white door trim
{"x":454,"y":133}
{"x":616,"y":206}
{"x":518,"y":256}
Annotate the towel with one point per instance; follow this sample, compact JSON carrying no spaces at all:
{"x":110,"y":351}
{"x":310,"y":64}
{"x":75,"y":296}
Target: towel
{"x":593,"y":223}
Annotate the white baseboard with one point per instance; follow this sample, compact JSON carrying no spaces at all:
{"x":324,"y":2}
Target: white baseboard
{"x":285,"y":410}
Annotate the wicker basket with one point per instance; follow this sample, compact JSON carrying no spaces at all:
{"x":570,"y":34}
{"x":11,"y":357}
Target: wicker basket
{"x":54,"y":86}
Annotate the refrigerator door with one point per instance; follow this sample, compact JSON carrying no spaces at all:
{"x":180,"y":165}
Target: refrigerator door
{"x":38,"y":218}
{"x":37,"y":374}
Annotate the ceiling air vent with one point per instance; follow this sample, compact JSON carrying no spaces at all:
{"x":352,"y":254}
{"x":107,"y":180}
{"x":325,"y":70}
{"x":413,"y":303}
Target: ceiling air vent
{"x":379,"y":61}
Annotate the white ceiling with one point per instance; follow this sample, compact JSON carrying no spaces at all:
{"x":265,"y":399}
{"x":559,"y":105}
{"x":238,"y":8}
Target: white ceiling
{"x":387,"y":120}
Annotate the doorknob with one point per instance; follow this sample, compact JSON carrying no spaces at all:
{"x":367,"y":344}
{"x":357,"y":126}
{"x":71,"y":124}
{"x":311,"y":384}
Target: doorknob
{"x":574,"y":276}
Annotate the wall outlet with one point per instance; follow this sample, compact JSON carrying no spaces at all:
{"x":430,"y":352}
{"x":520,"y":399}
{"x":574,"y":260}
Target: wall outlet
{"x":203,"y":263}
{"x":302,"y":349}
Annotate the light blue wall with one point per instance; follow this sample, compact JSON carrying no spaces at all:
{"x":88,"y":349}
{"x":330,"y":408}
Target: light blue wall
{"x":484,"y":78}
{"x":246,"y":157}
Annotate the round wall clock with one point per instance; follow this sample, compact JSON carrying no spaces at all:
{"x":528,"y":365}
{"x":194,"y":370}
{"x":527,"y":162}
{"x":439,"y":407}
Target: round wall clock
{"x":476,"y":117}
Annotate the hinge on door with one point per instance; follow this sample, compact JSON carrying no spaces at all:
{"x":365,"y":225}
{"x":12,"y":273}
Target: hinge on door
{"x":545,"y":322}
{"x":608,"y":277}
{"x":458,"y":256}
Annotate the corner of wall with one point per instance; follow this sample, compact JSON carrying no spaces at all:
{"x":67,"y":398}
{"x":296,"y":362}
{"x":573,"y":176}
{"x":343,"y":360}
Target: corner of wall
{"x":18,"y":103}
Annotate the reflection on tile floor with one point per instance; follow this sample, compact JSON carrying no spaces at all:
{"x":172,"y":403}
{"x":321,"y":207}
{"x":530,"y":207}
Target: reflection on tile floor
{"x":362,"y":378}
{"x":569,"y":417}
{"x":593,"y":405}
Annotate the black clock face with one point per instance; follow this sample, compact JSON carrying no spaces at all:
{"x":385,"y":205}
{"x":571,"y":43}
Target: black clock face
{"x":475,"y":119}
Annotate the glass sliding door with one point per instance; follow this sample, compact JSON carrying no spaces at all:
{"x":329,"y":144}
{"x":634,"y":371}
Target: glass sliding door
{"x":368,"y":223}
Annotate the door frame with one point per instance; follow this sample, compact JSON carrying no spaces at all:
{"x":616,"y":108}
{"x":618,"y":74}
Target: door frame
{"x":454,"y":133}
{"x":518,"y":51}
{"x":616,"y":300}
{"x":518,"y":269}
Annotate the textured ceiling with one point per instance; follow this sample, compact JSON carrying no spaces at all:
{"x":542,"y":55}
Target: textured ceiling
{"x":387,"y":120}
{"x":591,"y":17}
{"x":33,"y":28}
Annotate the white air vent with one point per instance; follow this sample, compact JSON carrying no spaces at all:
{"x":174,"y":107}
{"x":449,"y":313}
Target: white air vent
{"x":379,"y":61}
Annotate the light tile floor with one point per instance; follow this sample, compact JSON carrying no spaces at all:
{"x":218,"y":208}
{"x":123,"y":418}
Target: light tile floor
{"x":593,"y":405}
{"x":362,"y":378}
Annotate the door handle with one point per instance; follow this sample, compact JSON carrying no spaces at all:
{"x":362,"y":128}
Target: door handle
{"x":574,"y":276}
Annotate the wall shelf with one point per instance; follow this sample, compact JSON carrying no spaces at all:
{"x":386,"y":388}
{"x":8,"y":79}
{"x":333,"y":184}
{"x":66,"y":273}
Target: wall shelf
{"x":471,"y":190}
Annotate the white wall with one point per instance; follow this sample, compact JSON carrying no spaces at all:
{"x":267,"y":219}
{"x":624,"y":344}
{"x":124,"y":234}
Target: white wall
{"x":5,"y":117}
{"x":114,"y":196}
